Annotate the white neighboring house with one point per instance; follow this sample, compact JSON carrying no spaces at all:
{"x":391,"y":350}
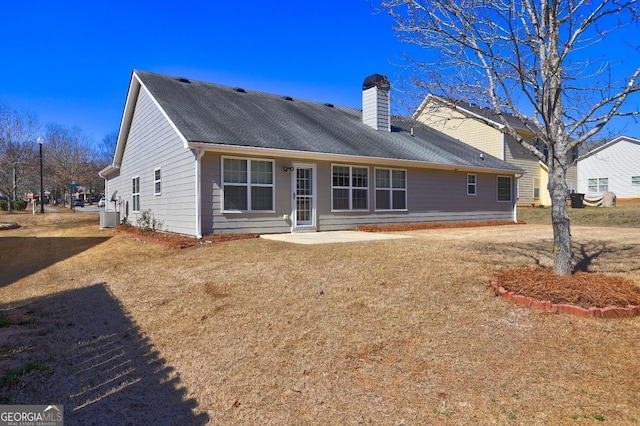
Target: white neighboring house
{"x":611,"y":167}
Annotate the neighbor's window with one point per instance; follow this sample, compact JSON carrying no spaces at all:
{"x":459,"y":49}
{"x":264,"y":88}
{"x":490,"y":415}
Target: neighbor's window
{"x":635,"y":180}
{"x":135,"y":191}
{"x":598,"y":185}
{"x":247,"y":184}
{"x":157,"y":181}
{"x":471,"y":184}
{"x":349,"y":188}
{"x":391,"y":189}
{"x":504,"y":188}
{"x":536,"y":187}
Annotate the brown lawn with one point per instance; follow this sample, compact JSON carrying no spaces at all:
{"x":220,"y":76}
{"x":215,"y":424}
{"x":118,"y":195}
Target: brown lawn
{"x":407,"y":331}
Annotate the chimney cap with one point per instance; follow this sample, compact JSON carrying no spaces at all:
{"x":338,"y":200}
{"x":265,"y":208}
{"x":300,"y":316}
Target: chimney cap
{"x":376,"y":80}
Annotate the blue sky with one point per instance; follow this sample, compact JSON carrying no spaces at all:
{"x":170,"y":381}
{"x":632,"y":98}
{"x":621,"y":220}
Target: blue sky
{"x":70,"y":61}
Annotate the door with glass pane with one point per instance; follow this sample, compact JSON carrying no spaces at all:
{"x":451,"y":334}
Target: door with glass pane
{"x":304,"y":203}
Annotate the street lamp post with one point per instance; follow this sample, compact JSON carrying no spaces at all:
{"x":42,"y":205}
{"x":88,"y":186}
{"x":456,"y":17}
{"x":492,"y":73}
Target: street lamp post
{"x":41,"y":142}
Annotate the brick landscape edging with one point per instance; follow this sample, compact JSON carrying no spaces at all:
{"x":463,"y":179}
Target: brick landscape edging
{"x":547,"y":306}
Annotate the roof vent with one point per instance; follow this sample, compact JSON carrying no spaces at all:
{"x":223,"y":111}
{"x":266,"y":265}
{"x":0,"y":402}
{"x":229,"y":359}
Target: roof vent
{"x":287,"y":98}
{"x":183,"y":80}
{"x":328,"y":105}
{"x":239,"y":90}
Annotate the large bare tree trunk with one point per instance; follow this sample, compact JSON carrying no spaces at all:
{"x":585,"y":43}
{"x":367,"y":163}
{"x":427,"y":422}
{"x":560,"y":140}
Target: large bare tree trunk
{"x":560,"y":221}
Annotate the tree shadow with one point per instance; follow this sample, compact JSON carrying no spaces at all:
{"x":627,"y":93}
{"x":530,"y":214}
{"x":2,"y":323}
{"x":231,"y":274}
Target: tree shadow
{"x":585,"y":255}
{"x":103,"y":368}
{"x":23,"y":256}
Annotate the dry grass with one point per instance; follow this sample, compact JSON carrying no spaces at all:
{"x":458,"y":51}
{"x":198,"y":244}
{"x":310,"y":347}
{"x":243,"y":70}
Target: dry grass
{"x":263,"y":332}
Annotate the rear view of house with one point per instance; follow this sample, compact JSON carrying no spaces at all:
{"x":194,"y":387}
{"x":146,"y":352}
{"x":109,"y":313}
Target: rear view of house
{"x":201,"y":158}
{"x":611,"y":167}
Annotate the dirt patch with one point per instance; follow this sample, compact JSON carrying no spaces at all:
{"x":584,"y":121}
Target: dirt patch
{"x":177,"y":241}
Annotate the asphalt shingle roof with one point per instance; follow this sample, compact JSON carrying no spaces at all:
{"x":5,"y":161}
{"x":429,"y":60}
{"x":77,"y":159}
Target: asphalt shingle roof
{"x":216,"y":114}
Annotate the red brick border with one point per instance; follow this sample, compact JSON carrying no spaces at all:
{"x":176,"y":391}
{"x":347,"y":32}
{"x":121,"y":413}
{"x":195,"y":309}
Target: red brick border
{"x":547,"y":306}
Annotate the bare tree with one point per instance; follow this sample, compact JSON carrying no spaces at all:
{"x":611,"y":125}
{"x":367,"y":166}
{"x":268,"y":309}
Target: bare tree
{"x":67,"y":159}
{"x":537,"y":60}
{"x":17,"y":151}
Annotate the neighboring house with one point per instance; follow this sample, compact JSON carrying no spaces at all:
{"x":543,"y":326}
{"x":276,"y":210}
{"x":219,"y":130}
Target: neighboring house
{"x":203,"y":158}
{"x":467,"y":123}
{"x":613,"y":166}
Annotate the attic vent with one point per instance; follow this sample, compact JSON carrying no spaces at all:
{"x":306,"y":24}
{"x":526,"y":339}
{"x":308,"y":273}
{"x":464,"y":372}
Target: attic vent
{"x":183,"y":80}
{"x":239,"y":90}
{"x":287,"y":98}
{"x":329,"y":105}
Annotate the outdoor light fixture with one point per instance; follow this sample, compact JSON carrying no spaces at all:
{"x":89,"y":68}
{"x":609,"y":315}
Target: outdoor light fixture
{"x":287,"y":168}
{"x":41,"y":142}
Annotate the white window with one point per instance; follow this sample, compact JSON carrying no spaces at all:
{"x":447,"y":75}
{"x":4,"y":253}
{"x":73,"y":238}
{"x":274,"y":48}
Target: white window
{"x":247,"y":185}
{"x":536,"y":187}
{"x":157,"y":181}
{"x":504,"y":188}
{"x":471,"y":184}
{"x":596,"y":185}
{"x":349,"y":188}
{"x":391,"y":189}
{"x":635,"y":180}
{"x":135,"y":192}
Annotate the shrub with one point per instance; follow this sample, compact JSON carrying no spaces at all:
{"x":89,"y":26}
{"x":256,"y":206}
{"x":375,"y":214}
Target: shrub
{"x":4,"y":206}
{"x":19,"y":205}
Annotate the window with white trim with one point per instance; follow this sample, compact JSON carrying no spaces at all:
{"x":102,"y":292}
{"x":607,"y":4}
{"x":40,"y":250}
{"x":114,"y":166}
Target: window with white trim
{"x":157,"y":181}
{"x":247,"y":184}
{"x":504,"y":188}
{"x":135,"y":193}
{"x":635,"y":180}
{"x":349,"y":188}
{"x":471,"y":184}
{"x":391,"y":189}
{"x":598,"y":185}
{"x":536,"y":187}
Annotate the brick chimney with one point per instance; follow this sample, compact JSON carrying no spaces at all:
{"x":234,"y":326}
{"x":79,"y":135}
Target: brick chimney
{"x":375,"y":102}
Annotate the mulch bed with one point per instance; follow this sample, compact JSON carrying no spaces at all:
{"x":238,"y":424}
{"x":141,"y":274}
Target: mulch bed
{"x":178,"y":241}
{"x":582,"y":294}
{"x":430,"y":225}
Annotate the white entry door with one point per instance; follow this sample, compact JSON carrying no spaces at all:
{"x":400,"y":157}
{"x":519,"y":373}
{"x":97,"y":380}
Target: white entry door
{"x":304,"y":197}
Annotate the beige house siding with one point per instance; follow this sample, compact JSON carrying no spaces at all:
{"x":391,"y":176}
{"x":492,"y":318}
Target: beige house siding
{"x":468,"y":130}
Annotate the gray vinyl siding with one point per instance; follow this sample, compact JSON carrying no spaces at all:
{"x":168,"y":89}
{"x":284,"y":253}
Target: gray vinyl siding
{"x":153,"y":143}
{"x":432,"y":196}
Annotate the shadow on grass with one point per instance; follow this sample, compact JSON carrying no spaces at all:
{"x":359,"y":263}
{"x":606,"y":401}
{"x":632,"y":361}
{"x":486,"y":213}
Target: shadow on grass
{"x":585,"y":255}
{"x":23,"y":256}
{"x":101,"y":366}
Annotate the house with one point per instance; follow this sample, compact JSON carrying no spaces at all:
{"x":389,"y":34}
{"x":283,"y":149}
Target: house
{"x":613,"y":166}
{"x":469,"y":123}
{"x":200,"y":158}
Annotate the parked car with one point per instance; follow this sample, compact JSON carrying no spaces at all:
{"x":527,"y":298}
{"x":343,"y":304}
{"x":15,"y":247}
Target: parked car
{"x":78,"y":203}
{"x":102,"y":202}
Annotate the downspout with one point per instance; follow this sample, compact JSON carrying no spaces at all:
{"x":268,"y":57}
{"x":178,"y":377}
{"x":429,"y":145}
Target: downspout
{"x":515,"y":198}
{"x":199,"y":152}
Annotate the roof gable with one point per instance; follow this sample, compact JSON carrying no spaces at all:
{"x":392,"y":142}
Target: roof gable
{"x":602,"y":145}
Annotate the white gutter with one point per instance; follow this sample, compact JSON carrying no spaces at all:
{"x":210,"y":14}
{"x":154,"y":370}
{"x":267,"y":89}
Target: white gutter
{"x":319,"y":156}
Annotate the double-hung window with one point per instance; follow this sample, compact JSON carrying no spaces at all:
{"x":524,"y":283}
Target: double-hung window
{"x":349,"y":188}
{"x":596,"y":185}
{"x":391,"y":189}
{"x":157,"y":181}
{"x":536,"y":187}
{"x":635,"y":180}
{"x":471,"y":184}
{"x":504,"y":188}
{"x":247,"y":184}
{"x":135,"y":192}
